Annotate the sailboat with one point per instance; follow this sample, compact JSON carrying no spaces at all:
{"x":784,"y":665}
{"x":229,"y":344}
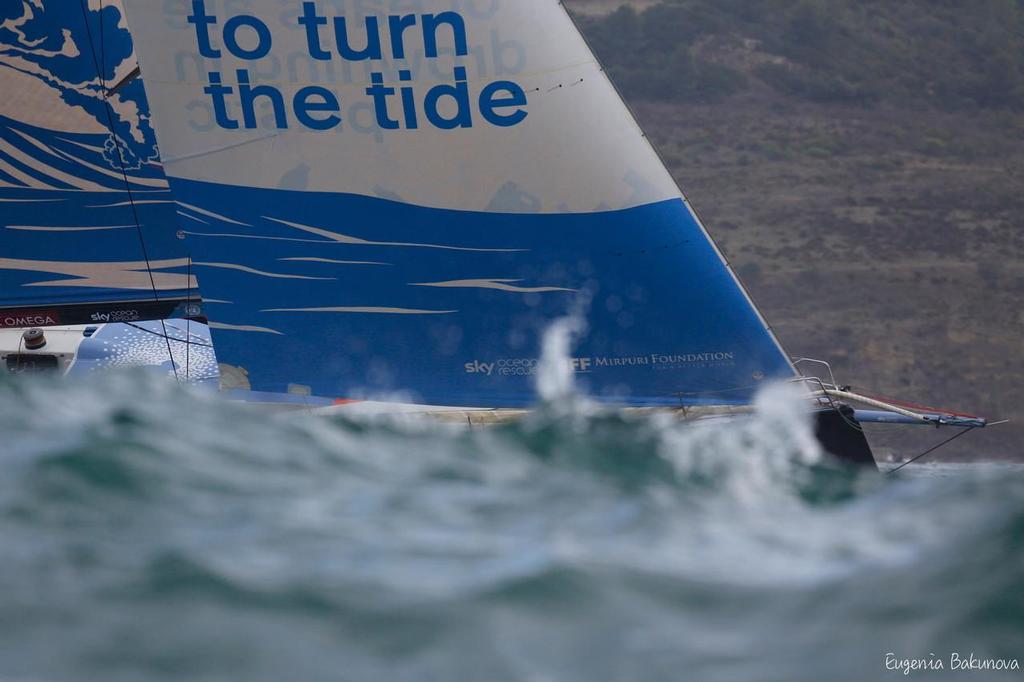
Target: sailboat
{"x":357,"y":200}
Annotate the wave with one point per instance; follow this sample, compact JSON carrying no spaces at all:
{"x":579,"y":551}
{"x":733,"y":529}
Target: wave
{"x":211,"y":539}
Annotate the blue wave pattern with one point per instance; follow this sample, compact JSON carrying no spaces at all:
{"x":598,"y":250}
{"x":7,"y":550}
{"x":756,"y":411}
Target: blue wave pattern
{"x":62,"y":247}
{"x":80,"y":52}
{"x":82,"y":213}
{"x":348,"y":295}
{"x":34,"y":157}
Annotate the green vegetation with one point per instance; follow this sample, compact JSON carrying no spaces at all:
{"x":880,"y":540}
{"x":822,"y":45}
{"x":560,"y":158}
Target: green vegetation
{"x":945,"y":54}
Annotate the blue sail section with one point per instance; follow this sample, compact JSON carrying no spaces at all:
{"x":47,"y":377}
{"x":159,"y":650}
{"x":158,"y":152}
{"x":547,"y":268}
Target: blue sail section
{"x":87,"y":224}
{"x":347,"y":296}
{"x":401,"y":197}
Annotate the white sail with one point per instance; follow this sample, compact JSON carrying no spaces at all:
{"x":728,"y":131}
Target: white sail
{"x":577,"y":149}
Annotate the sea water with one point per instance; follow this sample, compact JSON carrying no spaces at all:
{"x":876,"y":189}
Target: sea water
{"x":154,"y":532}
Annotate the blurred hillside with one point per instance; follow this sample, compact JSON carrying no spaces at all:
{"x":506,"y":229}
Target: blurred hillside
{"x":861,"y":165}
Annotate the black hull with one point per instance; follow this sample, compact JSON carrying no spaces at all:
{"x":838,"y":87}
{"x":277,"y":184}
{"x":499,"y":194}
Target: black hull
{"x":841,"y":435}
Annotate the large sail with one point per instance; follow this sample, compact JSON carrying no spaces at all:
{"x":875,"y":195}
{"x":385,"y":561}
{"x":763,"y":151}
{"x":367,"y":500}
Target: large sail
{"x":87,"y":225}
{"x":400,"y":196}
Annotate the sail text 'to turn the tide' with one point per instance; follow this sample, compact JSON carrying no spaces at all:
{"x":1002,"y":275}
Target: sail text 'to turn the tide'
{"x":397,"y":105}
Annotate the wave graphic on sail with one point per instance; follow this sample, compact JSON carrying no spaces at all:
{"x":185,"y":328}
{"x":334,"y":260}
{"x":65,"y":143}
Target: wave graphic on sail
{"x":511,"y":285}
{"x":51,"y":52}
{"x":349,"y":239}
{"x":139,"y":275}
{"x":86,"y":215}
{"x":37,"y":158}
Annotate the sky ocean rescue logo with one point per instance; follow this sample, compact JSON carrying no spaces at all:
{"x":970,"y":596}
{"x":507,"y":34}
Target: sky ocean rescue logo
{"x":117,"y":316}
{"x":656,"y":361}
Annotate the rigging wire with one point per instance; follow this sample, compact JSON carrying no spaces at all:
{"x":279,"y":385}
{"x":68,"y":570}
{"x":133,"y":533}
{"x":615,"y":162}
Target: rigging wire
{"x":101,"y":72}
{"x":188,"y":319}
{"x":21,"y":343}
{"x":167,"y":336}
{"x":931,"y":450}
{"x":121,"y":161}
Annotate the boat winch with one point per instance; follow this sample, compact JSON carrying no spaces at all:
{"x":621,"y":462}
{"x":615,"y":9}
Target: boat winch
{"x":34,"y":339}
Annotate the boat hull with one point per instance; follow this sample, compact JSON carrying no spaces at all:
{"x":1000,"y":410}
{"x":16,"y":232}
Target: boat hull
{"x":82,"y":349}
{"x":842,"y":436}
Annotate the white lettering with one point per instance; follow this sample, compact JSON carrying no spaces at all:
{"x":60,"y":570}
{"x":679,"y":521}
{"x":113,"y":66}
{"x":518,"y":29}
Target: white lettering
{"x":957,"y":662}
{"x":906,"y":665}
{"x":477,"y":367}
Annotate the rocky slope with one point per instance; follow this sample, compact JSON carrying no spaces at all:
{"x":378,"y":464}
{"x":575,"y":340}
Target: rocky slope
{"x":877,"y":223}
